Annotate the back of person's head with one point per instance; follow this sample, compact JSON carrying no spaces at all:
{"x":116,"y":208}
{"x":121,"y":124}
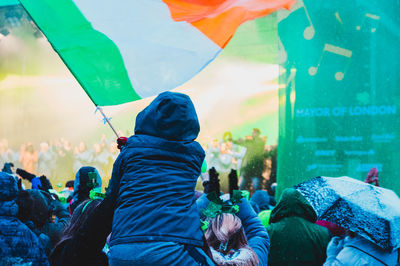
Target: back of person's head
{"x":79,"y":216}
{"x":293,"y":204}
{"x":261,"y":198}
{"x":8,"y":168}
{"x":228,"y":243}
{"x":8,"y":187}
{"x":171,"y":115}
{"x":34,"y":206}
{"x":70,"y":184}
{"x":86,"y":179}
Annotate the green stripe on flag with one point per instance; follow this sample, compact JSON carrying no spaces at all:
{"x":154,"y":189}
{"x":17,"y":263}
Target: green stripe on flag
{"x":92,"y":57}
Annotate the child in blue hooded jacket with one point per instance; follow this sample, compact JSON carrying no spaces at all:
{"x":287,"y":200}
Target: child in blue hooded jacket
{"x":155,"y":219}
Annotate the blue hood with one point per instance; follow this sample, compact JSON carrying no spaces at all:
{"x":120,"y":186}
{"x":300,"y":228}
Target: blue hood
{"x":261,"y":198}
{"x":8,"y":187}
{"x":82,"y":177}
{"x":8,"y":195}
{"x":170,"y":116}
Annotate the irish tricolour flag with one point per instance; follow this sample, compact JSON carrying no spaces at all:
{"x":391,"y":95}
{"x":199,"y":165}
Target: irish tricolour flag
{"x":124,"y":50}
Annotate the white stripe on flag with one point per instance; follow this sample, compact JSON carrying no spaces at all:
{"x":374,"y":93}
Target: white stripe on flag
{"x":159,"y":53}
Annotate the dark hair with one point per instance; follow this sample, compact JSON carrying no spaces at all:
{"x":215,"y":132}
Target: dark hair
{"x":35,"y":206}
{"x":7,"y":168}
{"x":79,"y":216}
{"x":69,"y":183}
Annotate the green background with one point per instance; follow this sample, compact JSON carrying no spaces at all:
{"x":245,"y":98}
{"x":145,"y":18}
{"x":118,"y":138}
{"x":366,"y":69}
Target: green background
{"x":324,"y":128}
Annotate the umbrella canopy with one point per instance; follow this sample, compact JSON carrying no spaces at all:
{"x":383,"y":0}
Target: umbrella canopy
{"x":370,"y":211}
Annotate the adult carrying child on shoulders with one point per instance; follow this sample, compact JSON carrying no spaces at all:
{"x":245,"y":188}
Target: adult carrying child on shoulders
{"x":156,"y":218}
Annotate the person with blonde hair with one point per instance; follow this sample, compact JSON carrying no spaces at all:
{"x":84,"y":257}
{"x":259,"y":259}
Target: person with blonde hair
{"x":234,"y":232}
{"x":228,"y":242}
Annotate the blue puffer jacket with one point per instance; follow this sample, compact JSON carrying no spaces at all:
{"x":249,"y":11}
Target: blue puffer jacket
{"x":18,"y":244}
{"x":155,"y":175}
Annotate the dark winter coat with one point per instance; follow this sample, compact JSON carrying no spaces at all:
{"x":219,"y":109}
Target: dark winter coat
{"x":86,"y":247}
{"x":157,"y":171}
{"x":18,"y":244}
{"x":55,"y":229}
{"x":295,"y":238}
{"x":40,"y":210}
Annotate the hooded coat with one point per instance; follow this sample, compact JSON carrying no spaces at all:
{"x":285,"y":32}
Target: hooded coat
{"x":359,"y":251}
{"x":156,"y":173}
{"x":86,"y":246}
{"x":18,"y":244}
{"x":36,"y":208}
{"x":81,"y":189}
{"x":295,"y":238}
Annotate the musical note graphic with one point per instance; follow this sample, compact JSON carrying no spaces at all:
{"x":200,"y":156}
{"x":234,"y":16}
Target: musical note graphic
{"x":374,"y":18}
{"x":309,"y":31}
{"x":335,"y":50}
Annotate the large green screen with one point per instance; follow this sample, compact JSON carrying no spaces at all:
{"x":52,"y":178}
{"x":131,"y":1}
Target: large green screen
{"x":339,"y":91}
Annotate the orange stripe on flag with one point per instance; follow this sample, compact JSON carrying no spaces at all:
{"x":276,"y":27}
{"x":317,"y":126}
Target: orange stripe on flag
{"x":219,"y":19}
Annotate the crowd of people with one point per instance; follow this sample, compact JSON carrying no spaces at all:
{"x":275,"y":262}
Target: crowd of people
{"x":250,"y":156}
{"x":151,"y":213}
{"x":60,"y":158}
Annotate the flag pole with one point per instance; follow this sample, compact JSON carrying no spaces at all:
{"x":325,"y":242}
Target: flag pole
{"x":106,"y":119}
